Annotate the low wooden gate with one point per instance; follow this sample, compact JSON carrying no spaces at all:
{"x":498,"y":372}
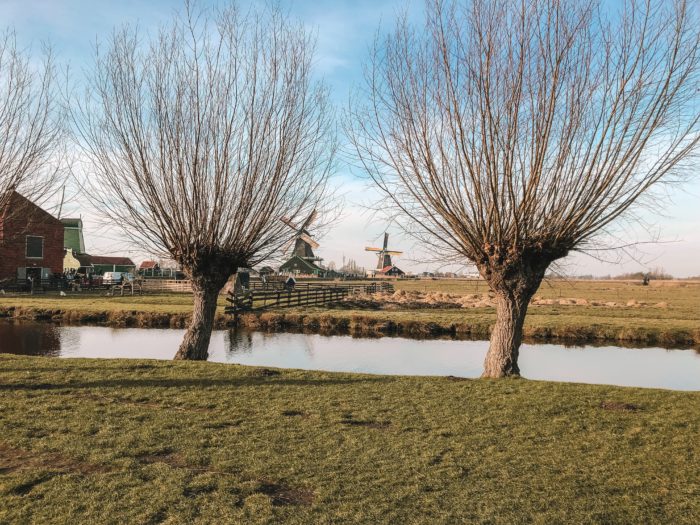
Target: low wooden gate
{"x":304,"y":294}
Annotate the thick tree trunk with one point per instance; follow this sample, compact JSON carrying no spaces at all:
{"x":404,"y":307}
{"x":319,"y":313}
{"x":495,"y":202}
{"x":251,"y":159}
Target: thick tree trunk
{"x":195,"y":345}
{"x":502,"y":356}
{"x":513,"y":277}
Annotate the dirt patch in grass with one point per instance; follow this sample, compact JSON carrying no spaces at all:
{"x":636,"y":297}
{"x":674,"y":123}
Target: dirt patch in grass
{"x":281,"y":494}
{"x":168,"y":457}
{"x":619,"y":406}
{"x":221,"y":425}
{"x":13,"y":459}
{"x":367,"y":423}
{"x":294,"y":413}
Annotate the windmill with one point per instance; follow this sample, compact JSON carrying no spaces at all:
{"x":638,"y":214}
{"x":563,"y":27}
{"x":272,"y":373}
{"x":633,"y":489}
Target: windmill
{"x":302,"y":259}
{"x":303,"y":243}
{"x":384,"y":254}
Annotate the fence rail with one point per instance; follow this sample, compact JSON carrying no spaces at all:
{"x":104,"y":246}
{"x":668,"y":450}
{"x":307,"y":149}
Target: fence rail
{"x":166,"y":285}
{"x":305,"y":294}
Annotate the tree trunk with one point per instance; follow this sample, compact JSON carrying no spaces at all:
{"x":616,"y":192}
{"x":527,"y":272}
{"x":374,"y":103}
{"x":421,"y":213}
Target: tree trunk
{"x":195,"y":345}
{"x":502,"y":356}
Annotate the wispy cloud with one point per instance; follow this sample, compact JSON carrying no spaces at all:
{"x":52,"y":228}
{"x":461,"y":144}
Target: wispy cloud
{"x":345,"y":30}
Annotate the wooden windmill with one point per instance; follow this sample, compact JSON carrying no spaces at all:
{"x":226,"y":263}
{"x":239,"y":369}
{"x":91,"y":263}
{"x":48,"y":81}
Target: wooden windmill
{"x":302,"y":258}
{"x":303,"y":243}
{"x":384,"y":254}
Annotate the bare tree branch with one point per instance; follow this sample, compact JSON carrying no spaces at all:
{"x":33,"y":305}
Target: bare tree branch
{"x":515,"y":133}
{"x":31,"y":125}
{"x":202,"y":138}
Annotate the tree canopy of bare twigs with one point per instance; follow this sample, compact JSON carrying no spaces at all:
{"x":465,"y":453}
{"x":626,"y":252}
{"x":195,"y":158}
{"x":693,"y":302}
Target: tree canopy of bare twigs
{"x":202,"y":138}
{"x":31,"y":128}
{"x":513,"y":133}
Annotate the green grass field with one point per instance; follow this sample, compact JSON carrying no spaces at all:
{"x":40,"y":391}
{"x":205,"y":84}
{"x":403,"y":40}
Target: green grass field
{"x":670,"y":315}
{"x":675,"y":322}
{"x":170,"y":303}
{"x":97,"y":441}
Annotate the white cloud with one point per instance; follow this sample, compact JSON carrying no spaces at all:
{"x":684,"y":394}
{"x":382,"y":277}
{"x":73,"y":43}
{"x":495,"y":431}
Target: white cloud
{"x":345,"y":32}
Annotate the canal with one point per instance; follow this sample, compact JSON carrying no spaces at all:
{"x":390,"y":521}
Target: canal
{"x":643,"y":367}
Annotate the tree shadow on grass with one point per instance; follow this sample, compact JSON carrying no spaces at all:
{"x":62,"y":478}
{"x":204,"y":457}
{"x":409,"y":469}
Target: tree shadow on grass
{"x":238,"y":382}
{"x":75,"y":369}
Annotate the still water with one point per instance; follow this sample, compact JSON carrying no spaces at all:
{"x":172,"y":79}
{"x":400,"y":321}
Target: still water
{"x":647,"y":367}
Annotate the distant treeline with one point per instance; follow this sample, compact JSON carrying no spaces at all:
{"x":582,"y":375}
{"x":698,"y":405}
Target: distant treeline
{"x":655,"y":274}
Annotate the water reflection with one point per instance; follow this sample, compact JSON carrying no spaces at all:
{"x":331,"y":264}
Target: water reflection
{"x":649,"y":367}
{"x":239,"y":342}
{"x":30,"y":339}
{"x":278,"y":350}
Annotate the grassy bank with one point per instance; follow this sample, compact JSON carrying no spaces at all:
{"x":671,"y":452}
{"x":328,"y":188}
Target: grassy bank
{"x":95,"y":441}
{"x":665,"y":313}
{"x":153,"y":310}
{"x":543,"y":324}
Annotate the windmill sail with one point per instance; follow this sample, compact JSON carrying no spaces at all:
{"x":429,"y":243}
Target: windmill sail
{"x":304,"y":244}
{"x":383,"y":253}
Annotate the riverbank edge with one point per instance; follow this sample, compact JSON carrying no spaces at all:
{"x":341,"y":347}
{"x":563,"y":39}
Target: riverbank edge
{"x":359,"y":326}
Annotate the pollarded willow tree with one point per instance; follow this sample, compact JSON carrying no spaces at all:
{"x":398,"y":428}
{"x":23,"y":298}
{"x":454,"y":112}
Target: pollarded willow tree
{"x":31,"y":129}
{"x":200,"y":140}
{"x":510,"y":134}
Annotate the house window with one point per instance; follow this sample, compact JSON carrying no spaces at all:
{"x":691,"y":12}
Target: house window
{"x":35,"y":247}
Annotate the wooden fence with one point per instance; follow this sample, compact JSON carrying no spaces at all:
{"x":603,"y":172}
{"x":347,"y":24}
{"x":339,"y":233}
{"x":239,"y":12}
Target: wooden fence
{"x":166,"y":285}
{"x":305,"y":294}
{"x":183,"y":285}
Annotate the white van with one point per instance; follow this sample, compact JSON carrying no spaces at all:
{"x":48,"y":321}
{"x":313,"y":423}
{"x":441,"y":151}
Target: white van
{"x":110,"y":278}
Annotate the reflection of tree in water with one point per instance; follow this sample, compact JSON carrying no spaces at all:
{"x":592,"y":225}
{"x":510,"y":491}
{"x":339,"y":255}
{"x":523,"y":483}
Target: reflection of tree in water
{"x":287,"y":341}
{"x":239,"y":341}
{"x":30,"y":339}
{"x":307,"y":340}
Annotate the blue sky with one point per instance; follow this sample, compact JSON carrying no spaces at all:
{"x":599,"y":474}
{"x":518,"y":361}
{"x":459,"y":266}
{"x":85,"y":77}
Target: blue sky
{"x":345,"y":30}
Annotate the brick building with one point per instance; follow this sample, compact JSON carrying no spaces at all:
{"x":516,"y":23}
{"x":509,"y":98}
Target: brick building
{"x":31,"y":241}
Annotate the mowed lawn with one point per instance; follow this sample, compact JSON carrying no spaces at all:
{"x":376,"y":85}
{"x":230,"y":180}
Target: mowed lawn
{"x":106,"y":441}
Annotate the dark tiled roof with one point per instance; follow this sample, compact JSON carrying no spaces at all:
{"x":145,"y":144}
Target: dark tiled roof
{"x":387,"y":269}
{"x":70,"y":222}
{"x":17,"y":205}
{"x":119,"y":261}
{"x":83,"y":258}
